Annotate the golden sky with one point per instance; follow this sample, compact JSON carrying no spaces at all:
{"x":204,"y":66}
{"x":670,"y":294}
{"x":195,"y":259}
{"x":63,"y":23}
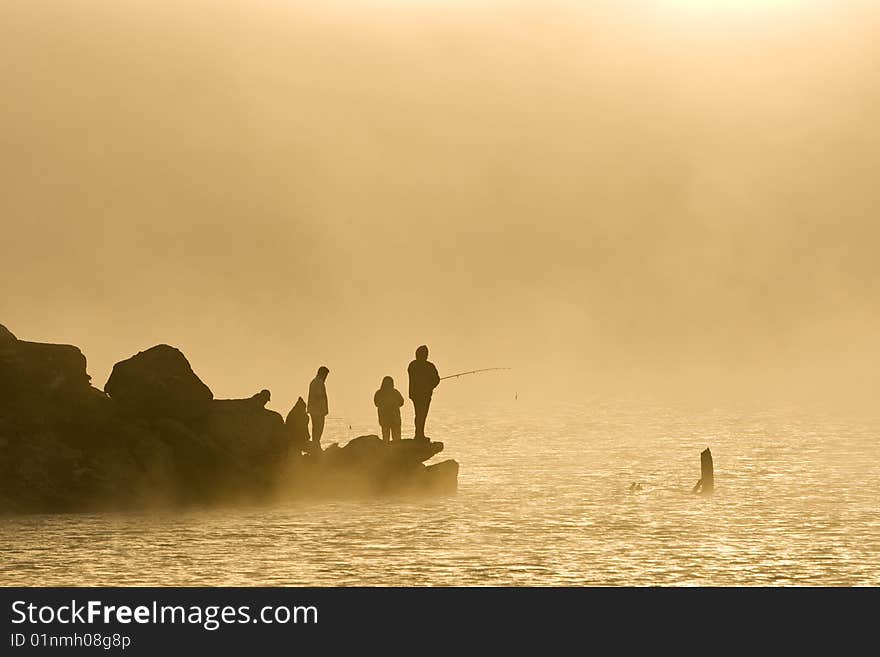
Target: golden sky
{"x":601,"y":195}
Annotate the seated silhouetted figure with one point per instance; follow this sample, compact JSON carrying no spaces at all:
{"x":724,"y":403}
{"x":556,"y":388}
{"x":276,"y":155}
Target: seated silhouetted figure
{"x":388,"y":401}
{"x":261,"y":398}
{"x":423,"y":378}
{"x":297,"y":424}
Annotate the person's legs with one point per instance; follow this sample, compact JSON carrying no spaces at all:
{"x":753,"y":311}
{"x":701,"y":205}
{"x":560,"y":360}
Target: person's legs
{"x":395,"y":431}
{"x":421,"y":406}
{"x":419,"y":418}
{"x":386,"y":429}
{"x":425,"y":407}
{"x":317,"y":429}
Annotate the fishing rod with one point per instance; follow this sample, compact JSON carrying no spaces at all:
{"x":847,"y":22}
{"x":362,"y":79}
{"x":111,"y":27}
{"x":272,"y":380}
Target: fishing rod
{"x":450,"y":376}
{"x":485,"y":369}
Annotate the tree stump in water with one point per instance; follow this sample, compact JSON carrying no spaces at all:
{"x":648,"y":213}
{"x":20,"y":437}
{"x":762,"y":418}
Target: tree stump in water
{"x":706,"y":484}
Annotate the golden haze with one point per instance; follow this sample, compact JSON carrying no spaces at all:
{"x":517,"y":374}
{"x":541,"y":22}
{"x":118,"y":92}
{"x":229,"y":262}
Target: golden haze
{"x":603,"y":198}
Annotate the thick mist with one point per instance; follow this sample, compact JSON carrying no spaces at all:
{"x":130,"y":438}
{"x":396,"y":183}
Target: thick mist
{"x":629,"y":197}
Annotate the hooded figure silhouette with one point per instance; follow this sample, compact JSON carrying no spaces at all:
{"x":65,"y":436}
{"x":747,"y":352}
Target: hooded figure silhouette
{"x":388,"y":401}
{"x":297,"y":424}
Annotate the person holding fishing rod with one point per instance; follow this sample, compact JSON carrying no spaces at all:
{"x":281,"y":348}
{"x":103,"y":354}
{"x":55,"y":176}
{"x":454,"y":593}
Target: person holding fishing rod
{"x":423,"y":378}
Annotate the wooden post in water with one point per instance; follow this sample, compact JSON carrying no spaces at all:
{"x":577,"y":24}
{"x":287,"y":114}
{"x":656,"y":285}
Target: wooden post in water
{"x":707,"y":472}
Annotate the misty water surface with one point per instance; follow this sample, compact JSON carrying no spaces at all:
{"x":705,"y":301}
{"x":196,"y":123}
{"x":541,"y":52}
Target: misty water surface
{"x":542,"y":501}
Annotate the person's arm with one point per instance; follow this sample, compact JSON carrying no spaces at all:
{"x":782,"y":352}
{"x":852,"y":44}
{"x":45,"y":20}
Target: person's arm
{"x":399,"y":398}
{"x":436,"y":376}
{"x":376,"y":398}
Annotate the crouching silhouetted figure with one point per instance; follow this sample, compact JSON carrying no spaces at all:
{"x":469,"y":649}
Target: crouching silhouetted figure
{"x":261,"y":398}
{"x":297,"y":424}
{"x":388,"y":401}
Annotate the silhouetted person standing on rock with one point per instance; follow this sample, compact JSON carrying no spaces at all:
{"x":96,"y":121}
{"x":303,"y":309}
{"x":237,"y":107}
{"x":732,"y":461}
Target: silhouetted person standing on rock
{"x":389,"y":400}
{"x":423,"y":378}
{"x":318,"y":405}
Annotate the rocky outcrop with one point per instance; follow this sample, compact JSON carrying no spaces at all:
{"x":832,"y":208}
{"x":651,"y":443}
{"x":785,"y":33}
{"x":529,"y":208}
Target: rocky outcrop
{"x":374,"y":451}
{"x":157,"y":437}
{"x":245,"y":431}
{"x":159,"y":383}
{"x":367,"y":465}
{"x":441,"y":478}
{"x":33,"y":373}
{"x":63,"y":444}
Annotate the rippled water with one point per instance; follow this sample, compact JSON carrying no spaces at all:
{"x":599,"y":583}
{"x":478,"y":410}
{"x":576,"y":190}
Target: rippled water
{"x":542,"y":501}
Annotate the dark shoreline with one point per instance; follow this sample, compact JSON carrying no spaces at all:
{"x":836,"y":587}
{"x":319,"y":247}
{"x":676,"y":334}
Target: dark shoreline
{"x":156,"y":438}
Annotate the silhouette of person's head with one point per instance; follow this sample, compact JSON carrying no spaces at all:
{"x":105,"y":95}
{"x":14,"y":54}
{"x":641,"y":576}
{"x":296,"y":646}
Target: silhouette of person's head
{"x":300,"y":405}
{"x":387,"y":383}
{"x":422,"y":353}
{"x":323,"y":372}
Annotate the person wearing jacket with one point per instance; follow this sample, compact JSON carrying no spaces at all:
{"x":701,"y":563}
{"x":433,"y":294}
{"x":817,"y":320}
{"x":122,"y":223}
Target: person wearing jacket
{"x":388,"y":401}
{"x":317,"y":405}
{"x":297,"y":424}
{"x":423,"y":378}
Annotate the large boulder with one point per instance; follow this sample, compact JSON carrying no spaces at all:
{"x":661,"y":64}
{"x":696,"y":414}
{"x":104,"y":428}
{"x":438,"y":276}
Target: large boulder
{"x":373,"y":451}
{"x":33,"y":374}
{"x":244,"y":432}
{"x":159,"y":383}
{"x":364,"y":449}
{"x":368,"y":465}
{"x":440,"y":478}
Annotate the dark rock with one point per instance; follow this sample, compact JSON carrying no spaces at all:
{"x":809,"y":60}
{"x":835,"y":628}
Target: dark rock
{"x":34,"y":376}
{"x":374,"y":451}
{"x":6,"y":335}
{"x":236,"y":453}
{"x":365,"y":447}
{"x":441,"y":477}
{"x":157,"y":437}
{"x":367,"y":465}
{"x":244,"y":432}
{"x":420,"y":450}
{"x":128,"y":467}
{"x":39,"y":472}
{"x":159,"y":383}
